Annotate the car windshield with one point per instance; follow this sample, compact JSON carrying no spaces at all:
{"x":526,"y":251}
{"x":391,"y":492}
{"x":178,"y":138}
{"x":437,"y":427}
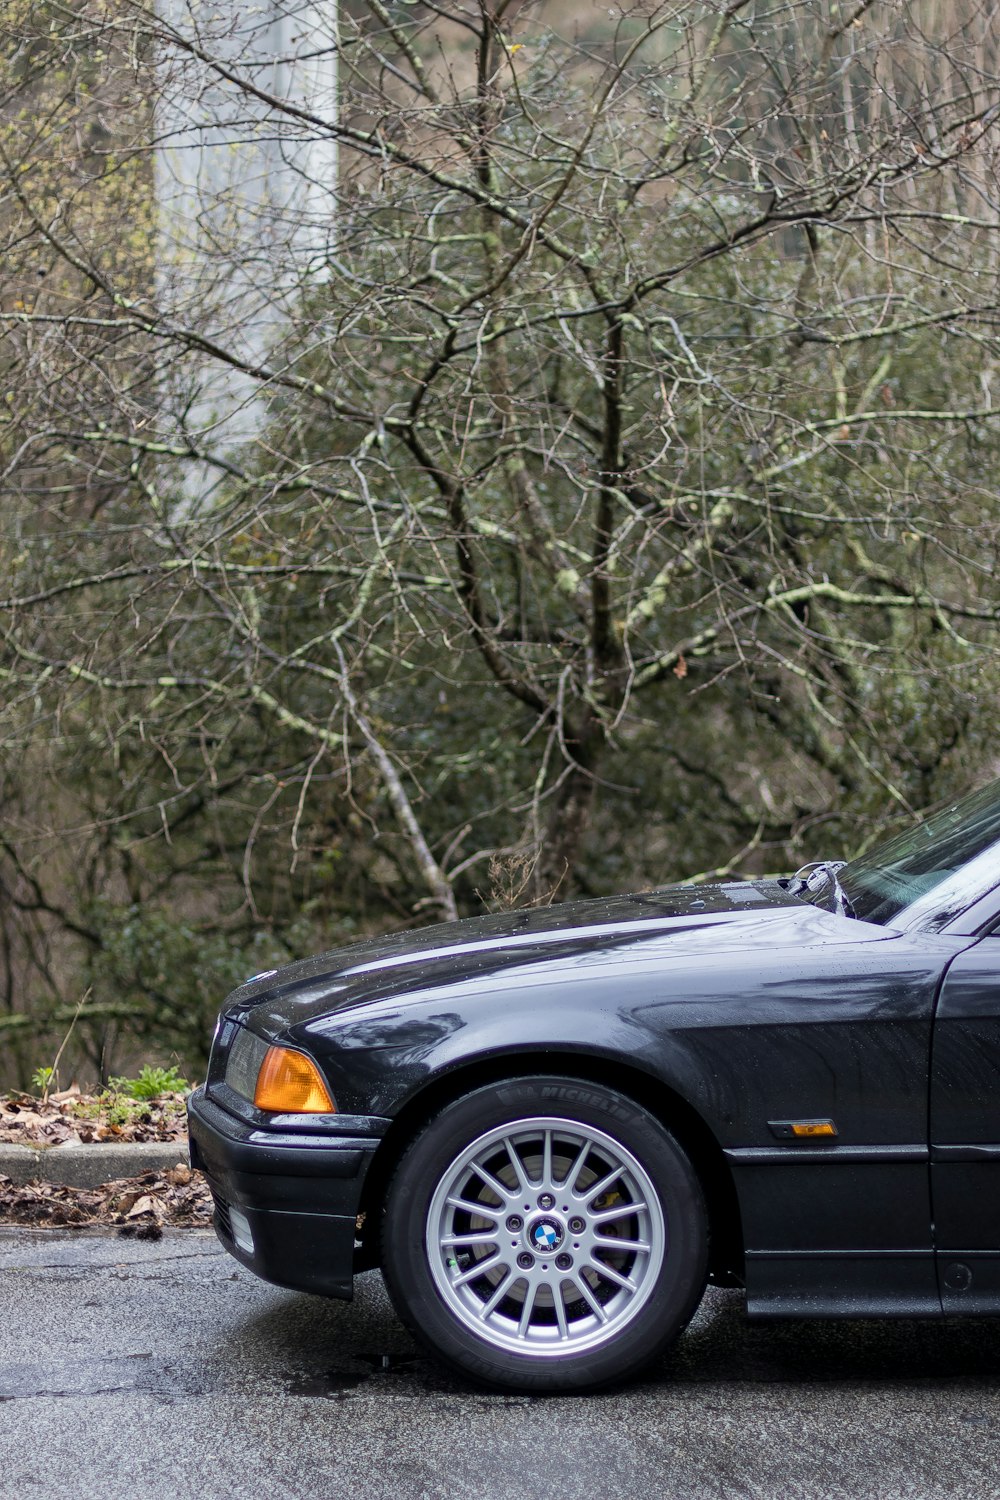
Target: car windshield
{"x":932,"y":871}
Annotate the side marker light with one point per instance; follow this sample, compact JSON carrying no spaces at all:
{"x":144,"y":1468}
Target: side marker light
{"x":803,"y":1130}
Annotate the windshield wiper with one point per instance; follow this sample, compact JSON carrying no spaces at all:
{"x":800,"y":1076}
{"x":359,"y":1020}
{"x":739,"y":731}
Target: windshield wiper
{"x":816,"y":877}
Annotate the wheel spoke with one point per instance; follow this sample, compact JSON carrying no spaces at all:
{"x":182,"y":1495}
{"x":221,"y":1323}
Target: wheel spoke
{"x":639,"y":1246}
{"x":547,"y":1160}
{"x":522,"y":1177}
{"x":612,"y":1275}
{"x":494,"y":1184}
{"x":530,"y":1293}
{"x":496,"y":1296}
{"x":620,"y":1211}
{"x":557,"y":1297}
{"x":597,"y":1188}
{"x":482,"y":1209}
{"x":583,"y":1287}
{"x":457,"y":1241}
{"x":569,"y":1182}
{"x":478,"y":1269}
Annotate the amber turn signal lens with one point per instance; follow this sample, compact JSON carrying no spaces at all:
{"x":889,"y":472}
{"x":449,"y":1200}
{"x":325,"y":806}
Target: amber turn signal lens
{"x":289,"y":1083}
{"x":813,"y":1128}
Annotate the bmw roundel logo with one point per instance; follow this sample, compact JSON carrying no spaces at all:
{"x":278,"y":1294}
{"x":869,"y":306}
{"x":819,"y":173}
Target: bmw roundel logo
{"x":546,"y":1236}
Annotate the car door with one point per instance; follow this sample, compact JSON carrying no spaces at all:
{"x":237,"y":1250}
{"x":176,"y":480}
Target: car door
{"x":965,"y":1130}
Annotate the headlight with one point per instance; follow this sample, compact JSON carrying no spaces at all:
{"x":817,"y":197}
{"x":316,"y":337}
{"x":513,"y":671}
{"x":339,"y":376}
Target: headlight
{"x":243,"y":1064}
{"x":280,"y":1080}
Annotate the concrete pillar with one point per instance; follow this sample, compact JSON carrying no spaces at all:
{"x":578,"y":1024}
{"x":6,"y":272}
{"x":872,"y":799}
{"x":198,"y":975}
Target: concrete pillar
{"x":246,"y":199}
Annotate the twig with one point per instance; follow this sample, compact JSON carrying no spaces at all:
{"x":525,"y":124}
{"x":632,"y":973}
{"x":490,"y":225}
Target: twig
{"x":62,"y":1045}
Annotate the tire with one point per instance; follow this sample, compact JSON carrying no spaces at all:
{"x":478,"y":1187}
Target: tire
{"x":545,"y":1234}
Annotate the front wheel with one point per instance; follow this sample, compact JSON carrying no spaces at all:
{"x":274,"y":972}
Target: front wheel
{"x":545,"y":1234}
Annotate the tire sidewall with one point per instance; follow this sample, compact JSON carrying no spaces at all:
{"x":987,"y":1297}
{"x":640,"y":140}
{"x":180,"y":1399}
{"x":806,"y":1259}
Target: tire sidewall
{"x":679,"y":1283}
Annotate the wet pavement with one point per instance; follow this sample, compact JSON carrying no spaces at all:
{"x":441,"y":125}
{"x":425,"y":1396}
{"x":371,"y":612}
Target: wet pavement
{"x":164,"y":1365}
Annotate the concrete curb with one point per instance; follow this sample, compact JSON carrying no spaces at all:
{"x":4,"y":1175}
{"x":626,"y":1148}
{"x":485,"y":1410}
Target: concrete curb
{"x":76,"y":1165}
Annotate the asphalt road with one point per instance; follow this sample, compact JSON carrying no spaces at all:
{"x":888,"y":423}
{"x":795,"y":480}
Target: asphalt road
{"x":163,"y":1369}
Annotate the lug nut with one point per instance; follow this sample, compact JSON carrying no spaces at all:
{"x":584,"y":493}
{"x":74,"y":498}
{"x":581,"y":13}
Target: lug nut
{"x":577,"y":1226}
{"x":514,"y":1223}
{"x":525,"y":1261}
{"x":564,"y":1262}
{"x":546,"y":1200}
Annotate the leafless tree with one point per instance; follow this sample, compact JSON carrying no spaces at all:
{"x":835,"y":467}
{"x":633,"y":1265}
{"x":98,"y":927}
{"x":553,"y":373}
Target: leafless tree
{"x":619,"y":497}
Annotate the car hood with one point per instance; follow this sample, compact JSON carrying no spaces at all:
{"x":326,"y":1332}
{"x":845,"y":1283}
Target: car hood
{"x":737,"y":915}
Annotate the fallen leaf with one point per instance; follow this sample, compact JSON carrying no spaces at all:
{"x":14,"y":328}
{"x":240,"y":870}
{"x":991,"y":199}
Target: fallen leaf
{"x":147,"y":1204}
{"x":64,"y":1095}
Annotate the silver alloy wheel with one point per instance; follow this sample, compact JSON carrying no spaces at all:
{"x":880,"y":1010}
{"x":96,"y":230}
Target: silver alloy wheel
{"x":545,"y":1236}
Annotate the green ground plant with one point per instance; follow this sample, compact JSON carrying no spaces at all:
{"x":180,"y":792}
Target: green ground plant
{"x":150,"y":1083}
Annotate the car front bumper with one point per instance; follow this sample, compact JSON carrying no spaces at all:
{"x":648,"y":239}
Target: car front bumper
{"x":286,"y":1203}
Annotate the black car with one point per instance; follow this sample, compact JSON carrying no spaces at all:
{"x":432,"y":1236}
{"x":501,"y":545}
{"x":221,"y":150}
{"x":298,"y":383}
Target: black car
{"x":551,"y":1128}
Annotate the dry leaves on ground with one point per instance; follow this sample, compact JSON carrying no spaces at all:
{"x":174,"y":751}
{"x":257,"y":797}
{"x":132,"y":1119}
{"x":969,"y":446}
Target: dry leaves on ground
{"x":72,"y":1116}
{"x":140,"y":1206}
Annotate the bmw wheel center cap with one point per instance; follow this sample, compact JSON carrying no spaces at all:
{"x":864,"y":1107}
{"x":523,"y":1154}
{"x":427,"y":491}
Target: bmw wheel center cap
{"x":546,"y":1236}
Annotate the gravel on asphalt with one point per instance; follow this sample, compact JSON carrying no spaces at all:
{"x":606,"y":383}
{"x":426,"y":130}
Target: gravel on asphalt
{"x":167,"y":1365}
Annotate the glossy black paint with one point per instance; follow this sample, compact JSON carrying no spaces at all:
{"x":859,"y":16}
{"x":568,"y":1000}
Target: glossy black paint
{"x":724,"y":1008}
{"x":965,"y":1129}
